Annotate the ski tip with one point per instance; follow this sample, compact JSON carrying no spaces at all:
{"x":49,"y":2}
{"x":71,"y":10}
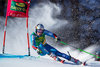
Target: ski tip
{"x":84,"y":64}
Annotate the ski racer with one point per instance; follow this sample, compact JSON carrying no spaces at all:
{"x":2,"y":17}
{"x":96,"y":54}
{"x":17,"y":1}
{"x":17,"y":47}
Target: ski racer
{"x":39,"y":44}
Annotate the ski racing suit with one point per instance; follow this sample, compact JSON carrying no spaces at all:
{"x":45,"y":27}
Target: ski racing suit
{"x":39,"y":42}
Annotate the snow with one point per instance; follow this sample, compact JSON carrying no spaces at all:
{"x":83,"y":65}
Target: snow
{"x":46,"y":61}
{"x":42,"y":62}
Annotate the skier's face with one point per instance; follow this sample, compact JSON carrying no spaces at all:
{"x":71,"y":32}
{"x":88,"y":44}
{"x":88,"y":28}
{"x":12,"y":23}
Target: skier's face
{"x":39,"y":32}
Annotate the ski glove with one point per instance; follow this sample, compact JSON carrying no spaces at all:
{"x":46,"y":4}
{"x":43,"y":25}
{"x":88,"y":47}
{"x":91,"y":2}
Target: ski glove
{"x":38,"y":51}
{"x":57,"y":39}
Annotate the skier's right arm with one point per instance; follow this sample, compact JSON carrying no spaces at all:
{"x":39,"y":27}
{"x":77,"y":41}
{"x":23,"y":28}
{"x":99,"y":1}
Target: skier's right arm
{"x":33,"y":42}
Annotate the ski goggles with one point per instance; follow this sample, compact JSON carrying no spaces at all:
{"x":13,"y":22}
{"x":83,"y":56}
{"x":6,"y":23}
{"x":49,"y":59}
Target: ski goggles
{"x":39,"y":30}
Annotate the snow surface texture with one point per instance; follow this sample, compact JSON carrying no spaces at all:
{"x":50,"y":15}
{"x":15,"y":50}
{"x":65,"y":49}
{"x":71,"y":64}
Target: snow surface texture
{"x":16,"y":43}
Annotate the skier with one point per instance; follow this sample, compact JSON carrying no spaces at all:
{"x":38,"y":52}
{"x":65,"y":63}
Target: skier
{"x":39,"y":44}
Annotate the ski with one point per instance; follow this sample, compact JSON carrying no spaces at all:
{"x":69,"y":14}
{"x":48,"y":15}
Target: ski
{"x":78,"y":62}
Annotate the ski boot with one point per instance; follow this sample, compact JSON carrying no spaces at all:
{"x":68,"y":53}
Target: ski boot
{"x":56,"y":58}
{"x":75,"y":61}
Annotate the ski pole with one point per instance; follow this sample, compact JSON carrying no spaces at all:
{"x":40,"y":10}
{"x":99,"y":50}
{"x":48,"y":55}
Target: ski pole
{"x":79,"y":49}
{"x":68,"y":53}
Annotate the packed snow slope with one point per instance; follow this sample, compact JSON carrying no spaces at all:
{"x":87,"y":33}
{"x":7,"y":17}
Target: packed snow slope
{"x":42,"y":62}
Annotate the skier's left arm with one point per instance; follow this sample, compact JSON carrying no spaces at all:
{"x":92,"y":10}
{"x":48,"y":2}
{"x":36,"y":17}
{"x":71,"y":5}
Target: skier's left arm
{"x":48,"y":33}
